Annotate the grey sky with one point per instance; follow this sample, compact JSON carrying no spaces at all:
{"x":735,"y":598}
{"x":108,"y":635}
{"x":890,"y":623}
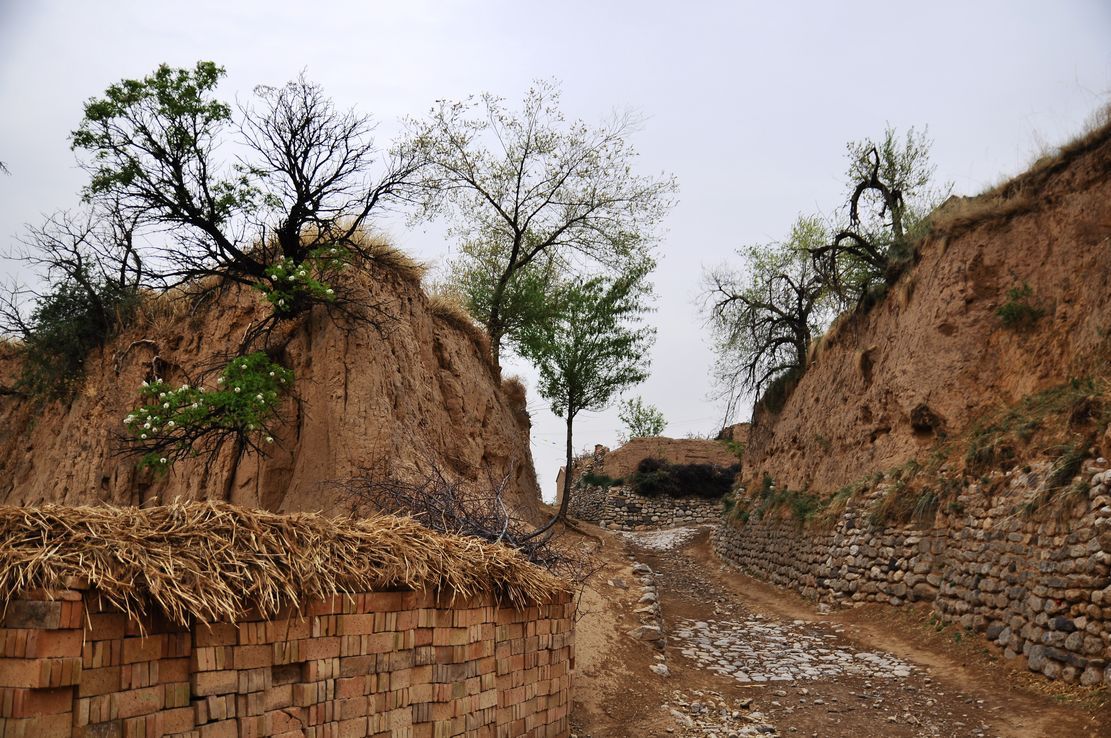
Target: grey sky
{"x":749,"y":104}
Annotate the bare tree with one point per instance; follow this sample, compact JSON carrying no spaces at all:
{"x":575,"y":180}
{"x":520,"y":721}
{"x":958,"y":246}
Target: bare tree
{"x":532,"y":186}
{"x":763,"y":319}
{"x":93,"y":275}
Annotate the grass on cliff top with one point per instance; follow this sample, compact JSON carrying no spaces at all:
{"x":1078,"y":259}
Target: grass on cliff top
{"x":210,"y":562}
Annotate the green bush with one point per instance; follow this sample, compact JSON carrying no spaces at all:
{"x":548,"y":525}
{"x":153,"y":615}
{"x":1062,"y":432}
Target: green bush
{"x":66,"y":324}
{"x":174,"y":423}
{"x":294,"y":287}
{"x":655,"y":477}
{"x":599,"y":480}
{"x":1019,"y":312}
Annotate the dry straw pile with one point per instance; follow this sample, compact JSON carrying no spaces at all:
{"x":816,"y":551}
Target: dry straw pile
{"x":213,"y":561}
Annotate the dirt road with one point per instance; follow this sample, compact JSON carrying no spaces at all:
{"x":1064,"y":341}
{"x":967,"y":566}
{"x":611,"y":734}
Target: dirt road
{"x":740,"y":658}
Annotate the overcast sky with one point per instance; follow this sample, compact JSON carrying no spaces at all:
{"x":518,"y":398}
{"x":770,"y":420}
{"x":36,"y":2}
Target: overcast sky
{"x":748,"y":104}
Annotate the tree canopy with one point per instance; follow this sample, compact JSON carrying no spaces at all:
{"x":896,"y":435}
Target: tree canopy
{"x":302,"y":181}
{"x":530,"y":192}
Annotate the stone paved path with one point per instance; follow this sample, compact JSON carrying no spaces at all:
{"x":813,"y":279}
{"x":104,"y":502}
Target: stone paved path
{"x":761,"y":650}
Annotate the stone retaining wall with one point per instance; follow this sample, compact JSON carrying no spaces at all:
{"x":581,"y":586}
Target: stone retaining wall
{"x":381,"y":664}
{"x":1035,"y":582}
{"x":619,"y":508}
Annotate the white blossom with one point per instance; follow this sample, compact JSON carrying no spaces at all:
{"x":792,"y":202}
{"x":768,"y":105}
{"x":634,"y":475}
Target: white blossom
{"x":237,"y":390}
{"x":269,"y":439}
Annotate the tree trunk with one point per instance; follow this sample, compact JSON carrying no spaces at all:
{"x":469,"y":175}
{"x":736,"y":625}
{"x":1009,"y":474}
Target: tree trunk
{"x":565,"y":497}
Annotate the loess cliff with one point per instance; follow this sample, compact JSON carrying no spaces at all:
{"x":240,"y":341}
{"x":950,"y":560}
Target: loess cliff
{"x":412,"y":394}
{"x":935,"y":356}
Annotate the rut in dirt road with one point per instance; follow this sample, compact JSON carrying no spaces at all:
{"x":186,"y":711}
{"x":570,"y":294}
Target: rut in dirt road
{"x":806,"y":676}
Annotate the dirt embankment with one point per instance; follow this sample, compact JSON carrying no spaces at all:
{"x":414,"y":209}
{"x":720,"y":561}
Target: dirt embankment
{"x":935,"y":354}
{"x":413,"y":393}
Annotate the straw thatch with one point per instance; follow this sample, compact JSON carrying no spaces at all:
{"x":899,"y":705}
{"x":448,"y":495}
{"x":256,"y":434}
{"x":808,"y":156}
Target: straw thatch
{"x":211,"y":562}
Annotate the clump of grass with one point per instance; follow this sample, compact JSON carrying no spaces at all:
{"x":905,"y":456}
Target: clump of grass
{"x":1020,"y":312}
{"x":996,"y":443}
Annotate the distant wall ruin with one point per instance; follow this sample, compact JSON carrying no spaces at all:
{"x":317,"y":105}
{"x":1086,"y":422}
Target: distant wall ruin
{"x":619,"y":508}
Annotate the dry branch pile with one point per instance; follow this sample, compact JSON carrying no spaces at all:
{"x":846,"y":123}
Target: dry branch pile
{"x":213,"y":561}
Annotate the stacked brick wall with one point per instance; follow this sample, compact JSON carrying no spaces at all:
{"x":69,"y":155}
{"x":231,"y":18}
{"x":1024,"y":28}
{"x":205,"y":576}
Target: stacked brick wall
{"x":381,"y":664}
{"x":1037,"y":583}
{"x":619,"y":508}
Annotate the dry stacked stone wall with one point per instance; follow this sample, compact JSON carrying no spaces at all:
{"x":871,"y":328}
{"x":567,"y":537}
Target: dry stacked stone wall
{"x":619,"y":508}
{"x":1035,"y":581}
{"x":380,"y":664}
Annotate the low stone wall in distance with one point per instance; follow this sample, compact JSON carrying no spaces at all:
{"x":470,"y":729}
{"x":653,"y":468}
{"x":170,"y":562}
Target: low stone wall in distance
{"x":619,"y":508}
{"x":1036,"y":583}
{"x":378,"y":664}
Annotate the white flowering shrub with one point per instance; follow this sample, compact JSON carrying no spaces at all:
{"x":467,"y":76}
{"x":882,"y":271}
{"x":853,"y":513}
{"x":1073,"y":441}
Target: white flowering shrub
{"x":173,"y":423}
{"x":293,"y":287}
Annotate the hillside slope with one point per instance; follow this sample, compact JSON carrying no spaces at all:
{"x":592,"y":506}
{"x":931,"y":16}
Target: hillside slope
{"x":416,"y":395}
{"x":934,"y":356}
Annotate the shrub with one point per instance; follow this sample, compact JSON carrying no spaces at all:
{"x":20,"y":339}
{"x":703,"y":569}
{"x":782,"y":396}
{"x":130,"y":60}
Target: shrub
{"x":291,"y":287}
{"x":1019,"y":312}
{"x":174,"y":423}
{"x":66,"y":324}
{"x":655,"y":477}
{"x":599,"y":480}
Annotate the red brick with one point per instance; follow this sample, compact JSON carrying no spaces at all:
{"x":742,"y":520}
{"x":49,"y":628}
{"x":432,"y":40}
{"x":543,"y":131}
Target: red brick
{"x":107,"y":626}
{"x":32,"y":614}
{"x":216,"y":634}
{"x":222,"y":729}
{"x":253,"y":657}
{"x":99,"y":681}
{"x":177,"y":720}
{"x":173,"y":670}
{"x":143,"y":649}
{"x":215,"y":682}
{"x":17,"y":702}
{"x":137,"y":702}
{"x":48,"y":726}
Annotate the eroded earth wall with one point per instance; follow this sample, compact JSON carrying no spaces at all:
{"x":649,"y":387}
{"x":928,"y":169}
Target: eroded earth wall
{"x":399,"y":392}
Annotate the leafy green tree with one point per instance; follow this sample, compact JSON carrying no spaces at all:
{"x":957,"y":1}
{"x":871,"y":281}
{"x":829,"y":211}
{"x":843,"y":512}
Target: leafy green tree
{"x":526,"y":299}
{"x":764,"y":317}
{"x":890,"y":197}
{"x":641,"y":419}
{"x":590,"y":349}
{"x":535,"y":189}
{"x":303,"y":185}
